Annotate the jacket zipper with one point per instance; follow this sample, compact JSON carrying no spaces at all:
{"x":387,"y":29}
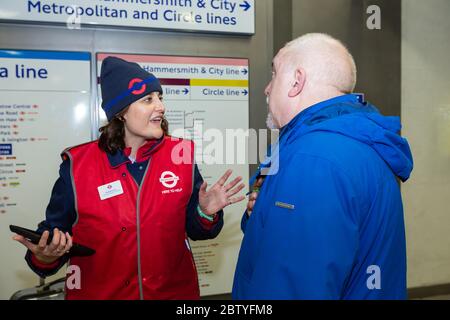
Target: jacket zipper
{"x":138,"y":231}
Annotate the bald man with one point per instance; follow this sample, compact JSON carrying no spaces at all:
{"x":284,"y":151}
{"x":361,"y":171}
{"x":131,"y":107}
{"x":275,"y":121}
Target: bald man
{"x":325,"y":220}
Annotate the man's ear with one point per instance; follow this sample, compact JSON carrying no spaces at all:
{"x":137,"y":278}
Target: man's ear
{"x":299,"y":83}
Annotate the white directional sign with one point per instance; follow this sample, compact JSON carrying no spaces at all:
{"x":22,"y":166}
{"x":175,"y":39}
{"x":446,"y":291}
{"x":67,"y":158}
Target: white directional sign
{"x":205,"y":97}
{"x":228,"y":16}
{"x":44,"y":108}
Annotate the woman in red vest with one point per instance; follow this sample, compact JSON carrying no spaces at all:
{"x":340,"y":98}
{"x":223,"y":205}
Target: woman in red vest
{"x":135,"y":196}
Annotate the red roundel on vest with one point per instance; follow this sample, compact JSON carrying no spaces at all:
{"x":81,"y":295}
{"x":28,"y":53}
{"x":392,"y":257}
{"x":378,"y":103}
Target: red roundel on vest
{"x":135,"y":81}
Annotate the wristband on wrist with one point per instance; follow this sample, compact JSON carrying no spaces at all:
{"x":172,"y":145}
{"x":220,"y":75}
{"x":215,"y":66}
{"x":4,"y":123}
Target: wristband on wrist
{"x":203,"y":215}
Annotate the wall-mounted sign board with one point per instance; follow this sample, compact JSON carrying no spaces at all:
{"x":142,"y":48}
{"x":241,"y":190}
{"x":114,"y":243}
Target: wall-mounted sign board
{"x":216,"y":16}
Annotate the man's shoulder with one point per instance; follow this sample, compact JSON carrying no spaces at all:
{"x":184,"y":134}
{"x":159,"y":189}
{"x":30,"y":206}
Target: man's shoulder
{"x":327,"y":143}
{"x":344,"y":152}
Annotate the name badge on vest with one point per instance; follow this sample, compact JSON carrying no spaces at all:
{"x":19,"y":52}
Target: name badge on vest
{"x":110,"y":190}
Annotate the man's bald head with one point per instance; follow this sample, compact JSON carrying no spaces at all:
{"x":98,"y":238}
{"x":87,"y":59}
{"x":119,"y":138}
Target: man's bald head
{"x":308,"y":70}
{"x":326,"y":61}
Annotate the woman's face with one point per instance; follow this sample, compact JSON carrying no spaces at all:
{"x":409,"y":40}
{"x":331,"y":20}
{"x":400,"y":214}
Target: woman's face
{"x":143,"y":118}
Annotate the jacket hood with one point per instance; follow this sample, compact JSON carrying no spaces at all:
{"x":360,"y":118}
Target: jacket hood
{"x":363,"y":122}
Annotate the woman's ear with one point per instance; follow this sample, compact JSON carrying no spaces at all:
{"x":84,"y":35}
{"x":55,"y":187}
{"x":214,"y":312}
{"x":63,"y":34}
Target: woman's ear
{"x":122,"y":116}
{"x":298,"y":84}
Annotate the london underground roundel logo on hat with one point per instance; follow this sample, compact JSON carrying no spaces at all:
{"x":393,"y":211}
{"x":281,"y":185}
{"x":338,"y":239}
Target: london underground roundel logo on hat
{"x":135,"y":81}
{"x":168,"y":179}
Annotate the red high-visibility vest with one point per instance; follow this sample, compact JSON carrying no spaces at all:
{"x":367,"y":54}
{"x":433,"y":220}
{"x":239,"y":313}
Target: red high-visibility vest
{"x":142,"y":251}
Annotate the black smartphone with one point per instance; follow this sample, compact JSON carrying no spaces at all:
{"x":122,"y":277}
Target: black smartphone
{"x":77,"y":249}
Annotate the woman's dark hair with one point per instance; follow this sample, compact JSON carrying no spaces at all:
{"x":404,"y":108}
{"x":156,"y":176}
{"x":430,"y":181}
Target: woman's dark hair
{"x":165,"y":126}
{"x":112,"y":137}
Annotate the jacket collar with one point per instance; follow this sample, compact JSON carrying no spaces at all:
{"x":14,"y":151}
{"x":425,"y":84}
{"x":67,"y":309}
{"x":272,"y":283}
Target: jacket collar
{"x":309,"y":112}
{"x":272,"y":158}
{"x":121,"y":157}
